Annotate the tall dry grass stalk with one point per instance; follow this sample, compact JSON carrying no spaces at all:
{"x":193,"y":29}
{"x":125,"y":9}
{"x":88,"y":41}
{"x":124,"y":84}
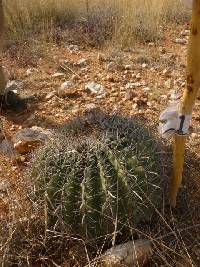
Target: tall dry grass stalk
{"x":120,"y":20}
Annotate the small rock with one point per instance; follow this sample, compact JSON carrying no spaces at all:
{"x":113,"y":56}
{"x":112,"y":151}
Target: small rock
{"x":63,"y":90}
{"x":90,"y":107}
{"x":133,"y":85}
{"x":25,"y":140}
{"x":166,"y":72}
{"x":95,"y":87}
{"x":58,"y":75}
{"x":73,"y":47}
{"x":144,"y":65}
{"x":31,"y":71}
{"x":6,"y":147}
{"x":138,"y":76}
{"x":13,"y":86}
{"x":151,"y":44}
{"x":135,"y":106}
{"x":180,"y":41}
{"x":185,"y":33}
{"x":132,"y":253}
{"x":82,"y":62}
{"x":50,"y":95}
{"x":100,"y":96}
{"x":128,"y":67}
{"x":163,"y":97}
{"x":175,"y":95}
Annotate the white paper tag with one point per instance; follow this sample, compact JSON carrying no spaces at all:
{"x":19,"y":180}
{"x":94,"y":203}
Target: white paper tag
{"x":172,"y":121}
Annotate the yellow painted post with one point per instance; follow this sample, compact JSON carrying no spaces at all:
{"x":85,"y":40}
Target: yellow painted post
{"x":189,"y":97}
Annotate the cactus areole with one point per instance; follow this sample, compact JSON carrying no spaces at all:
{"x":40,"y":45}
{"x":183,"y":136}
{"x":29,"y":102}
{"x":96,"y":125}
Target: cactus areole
{"x":99,"y":182}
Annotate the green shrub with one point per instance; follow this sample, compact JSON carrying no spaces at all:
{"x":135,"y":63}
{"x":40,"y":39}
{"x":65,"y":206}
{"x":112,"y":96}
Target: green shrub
{"x":99,"y":176}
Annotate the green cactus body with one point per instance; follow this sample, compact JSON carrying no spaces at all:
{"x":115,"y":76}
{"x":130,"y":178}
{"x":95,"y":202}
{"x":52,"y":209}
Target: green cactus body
{"x":101,"y":183}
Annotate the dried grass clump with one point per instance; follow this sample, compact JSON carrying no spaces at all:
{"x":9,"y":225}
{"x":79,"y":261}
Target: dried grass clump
{"x":123,"y":21}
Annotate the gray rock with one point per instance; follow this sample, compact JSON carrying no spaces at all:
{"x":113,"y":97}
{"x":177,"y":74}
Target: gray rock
{"x":7,"y":148}
{"x":132,"y":253}
{"x":133,"y":85}
{"x":31,"y":71}
{"x":82,"y":62}
{"x":25,"y":140}
{"x":95,"y":88}
{"x":63,"y":90}
{"x":13,"y":86}
{"x":73,"y":47}
{"x":175,"y":95}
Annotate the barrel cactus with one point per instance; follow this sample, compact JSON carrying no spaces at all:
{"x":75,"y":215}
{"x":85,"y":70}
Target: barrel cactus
{"x":99,"y":177}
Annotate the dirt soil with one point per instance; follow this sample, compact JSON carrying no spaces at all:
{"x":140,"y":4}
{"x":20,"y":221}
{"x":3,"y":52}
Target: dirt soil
{"x":157,"y":68}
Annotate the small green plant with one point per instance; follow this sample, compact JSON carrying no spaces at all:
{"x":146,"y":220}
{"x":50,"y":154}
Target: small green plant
{"x":101,"y":181}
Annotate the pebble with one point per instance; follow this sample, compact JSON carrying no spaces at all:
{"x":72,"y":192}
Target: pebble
{"x":133,"y":85}
{"x":128,"y":67}
{"x":185,"y":33}
{"x":50,"y":95}
{"x":138,"y":76}
{"x":73,"y":47}
{"x":63,"y":90}
{"x":58,"y":75}
{"x":180,"y":41}
{"x":94,"y":87}
{"x":31,"y":71}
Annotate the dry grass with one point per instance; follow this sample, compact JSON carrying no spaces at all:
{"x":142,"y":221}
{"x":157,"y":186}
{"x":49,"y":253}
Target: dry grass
{"x":123,"y":21}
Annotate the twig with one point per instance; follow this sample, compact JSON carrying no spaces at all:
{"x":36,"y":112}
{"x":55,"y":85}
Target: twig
{"x":66,"y":68}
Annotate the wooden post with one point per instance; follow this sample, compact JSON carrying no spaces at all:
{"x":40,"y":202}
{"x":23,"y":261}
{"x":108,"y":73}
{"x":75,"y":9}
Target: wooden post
{"x":189,"y":97}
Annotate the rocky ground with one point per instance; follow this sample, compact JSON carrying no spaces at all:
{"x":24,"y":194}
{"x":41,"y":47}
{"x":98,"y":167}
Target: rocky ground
{"x":72,"y":79}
